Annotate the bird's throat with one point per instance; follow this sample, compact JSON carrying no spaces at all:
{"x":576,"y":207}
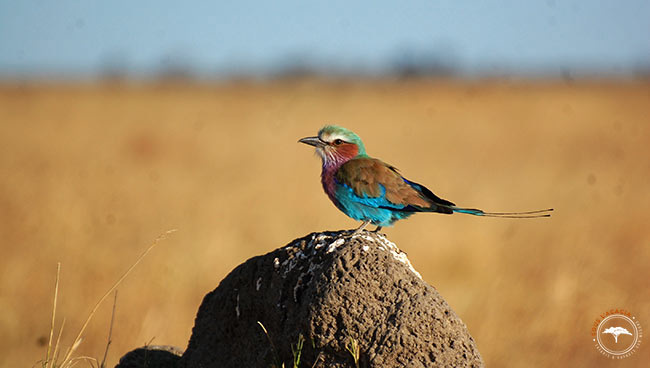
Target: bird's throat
{"x":328,"y":181}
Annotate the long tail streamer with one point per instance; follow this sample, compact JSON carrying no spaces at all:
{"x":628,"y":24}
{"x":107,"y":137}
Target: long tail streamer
{"x":526,"y":214}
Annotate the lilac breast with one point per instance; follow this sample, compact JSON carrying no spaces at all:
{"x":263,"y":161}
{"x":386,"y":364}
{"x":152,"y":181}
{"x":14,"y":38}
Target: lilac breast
{"x":329,"y":183}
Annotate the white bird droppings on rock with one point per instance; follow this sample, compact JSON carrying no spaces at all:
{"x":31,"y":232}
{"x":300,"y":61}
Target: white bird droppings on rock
{"x":401,"y":256}
{"x":387,"y":245}
{"x":319,"y":240}
{"x":335,"y":244}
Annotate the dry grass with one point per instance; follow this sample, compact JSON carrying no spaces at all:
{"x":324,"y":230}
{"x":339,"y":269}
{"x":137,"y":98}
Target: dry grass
{"x":92,"y":172}
{"x":69,"y":359}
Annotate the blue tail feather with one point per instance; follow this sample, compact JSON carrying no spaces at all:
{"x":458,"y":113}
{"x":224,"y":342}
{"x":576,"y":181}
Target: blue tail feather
{"x":469,"y":211}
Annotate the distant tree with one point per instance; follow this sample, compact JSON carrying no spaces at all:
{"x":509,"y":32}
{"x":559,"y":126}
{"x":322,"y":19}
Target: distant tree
{"x":176,"y":66}
{"x":414,"y":63}
{"x":114,"y":66}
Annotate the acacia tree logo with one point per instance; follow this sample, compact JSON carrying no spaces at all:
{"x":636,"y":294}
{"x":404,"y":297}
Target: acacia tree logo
{"x":624,"y":329}
{"x":615,"y":331}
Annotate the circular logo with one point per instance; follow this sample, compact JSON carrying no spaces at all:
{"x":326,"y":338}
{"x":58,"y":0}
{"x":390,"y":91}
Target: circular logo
{"x":617,"y":334}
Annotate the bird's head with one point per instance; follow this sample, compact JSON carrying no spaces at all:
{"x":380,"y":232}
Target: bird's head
{"x":336,"y":145}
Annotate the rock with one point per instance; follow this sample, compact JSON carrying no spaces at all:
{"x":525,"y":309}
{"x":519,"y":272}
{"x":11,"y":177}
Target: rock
{"x":337,"y":290}
{"x":151,"y":356}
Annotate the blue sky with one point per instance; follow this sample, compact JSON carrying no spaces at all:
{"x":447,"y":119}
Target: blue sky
{"x":82,"y":38}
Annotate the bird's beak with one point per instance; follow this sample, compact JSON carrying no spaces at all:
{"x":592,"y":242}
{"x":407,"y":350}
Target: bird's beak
{"x":313,"y":141}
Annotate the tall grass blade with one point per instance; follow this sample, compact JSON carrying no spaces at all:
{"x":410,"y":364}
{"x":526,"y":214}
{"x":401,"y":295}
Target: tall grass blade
{"x":56,"y":294}
{"x":77,"y":340}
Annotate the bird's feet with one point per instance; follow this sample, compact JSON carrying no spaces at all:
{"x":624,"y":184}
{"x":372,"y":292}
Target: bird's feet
{"x":363,"y":226}
{"x":360,"y":228}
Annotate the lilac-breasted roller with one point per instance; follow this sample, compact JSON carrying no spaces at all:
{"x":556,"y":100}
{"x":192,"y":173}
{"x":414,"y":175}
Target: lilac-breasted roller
{"x":369,"y":190}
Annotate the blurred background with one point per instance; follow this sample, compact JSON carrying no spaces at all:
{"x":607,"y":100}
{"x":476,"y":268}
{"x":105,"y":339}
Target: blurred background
{"x":121,"y":120}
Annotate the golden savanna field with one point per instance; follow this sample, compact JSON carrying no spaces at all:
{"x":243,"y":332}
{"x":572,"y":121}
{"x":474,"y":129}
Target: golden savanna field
{"x":93,"y":172}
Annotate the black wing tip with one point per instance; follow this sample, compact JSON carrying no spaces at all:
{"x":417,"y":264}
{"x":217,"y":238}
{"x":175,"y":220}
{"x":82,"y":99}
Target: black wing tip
{"x":429,"y":195}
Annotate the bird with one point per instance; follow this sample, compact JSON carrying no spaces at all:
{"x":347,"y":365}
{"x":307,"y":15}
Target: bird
{"x":371,"y":191}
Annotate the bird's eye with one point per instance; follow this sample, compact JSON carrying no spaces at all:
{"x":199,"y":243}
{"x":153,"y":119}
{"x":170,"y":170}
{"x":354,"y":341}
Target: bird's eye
{"x":338,"y":141}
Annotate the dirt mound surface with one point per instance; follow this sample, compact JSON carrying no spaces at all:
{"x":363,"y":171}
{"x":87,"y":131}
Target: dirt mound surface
{"x":346,"y":295}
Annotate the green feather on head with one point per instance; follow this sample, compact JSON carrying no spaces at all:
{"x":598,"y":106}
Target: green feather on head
{"x":331,"y":132}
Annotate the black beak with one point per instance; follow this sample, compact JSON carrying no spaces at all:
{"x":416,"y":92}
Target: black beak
{"x":313,"y":141}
